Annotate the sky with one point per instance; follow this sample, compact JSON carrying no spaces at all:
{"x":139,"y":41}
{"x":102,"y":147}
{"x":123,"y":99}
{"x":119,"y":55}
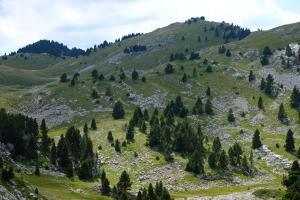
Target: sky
{"x":83,"y":23}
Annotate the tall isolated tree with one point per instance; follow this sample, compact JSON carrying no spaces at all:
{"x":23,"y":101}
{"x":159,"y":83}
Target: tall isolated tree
{"x":118,"y":111}
{"x":289,"y":141}
{"x":260,"y":104}
{"x":230,"y":116}
{"x":45,"y":140}
{"x":256,"y":143}
{"x":282,"y":116}
{"x":135,"y":75}
{"x":93,"y":124}
{"x":251,"y":76}
{"x":208,"y":107}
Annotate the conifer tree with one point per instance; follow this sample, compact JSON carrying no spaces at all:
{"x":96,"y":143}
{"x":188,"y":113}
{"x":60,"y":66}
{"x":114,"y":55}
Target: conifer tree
{"x":105,"y":188}
{"x":85,"y":128}
{"x":169,"y":69}
{"x":212,"y":160}
{"x":230,"y":116}
{"x":64,"y":161}
{"x":228,"y":53}
{"x":117,"y":146}
{"x":195,"y":163}
{"x":295,"y":98}
{"x":256,"y":143}
{"x":282,"y":114}
{"x":198,"y":107}
{"x":93,"y":124}
{"x":208,"y":107}
{"x":184,"y":78}
{"x":130,"y":132}
{"x":146,"y":115}
{"x":262,"y":84}
{"x":110,"y":137}
{"x":134,"y":75}
{"x":269,"y":85}
{"x":289,"y":141}
{"x":216,"y":148}
{"x":45,"y":140}
{"x":118,"y":111}
{"x":37,"y":169}
{"x":292,"y":182}
{"x":208,"y":92}
{"x":288,"y":51}
{"x":223,"y":160}
{"x":53,"y":154}
{"x":124,"y":183}
{"x":251,"y":76}
{"x":260,"y":104}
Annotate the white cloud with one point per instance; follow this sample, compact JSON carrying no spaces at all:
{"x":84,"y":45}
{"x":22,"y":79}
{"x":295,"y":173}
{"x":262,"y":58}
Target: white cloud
{"x":84,"y":23}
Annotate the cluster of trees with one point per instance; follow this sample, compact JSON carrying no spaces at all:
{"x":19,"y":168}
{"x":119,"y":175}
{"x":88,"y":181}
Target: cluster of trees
{"x":268,"y":85}
{"x":131,"y":35}
{"x":169,"y":69}
{"x":74,"y":154}
{"x":7,"y":173}
{"x":177,"y":56}
{"x":96,"y":76}
{"x":222,"y":50}
{"x":135,"y":48}
{"x":194,"y":56}
{"x":52,"y":48}
{"x":292,"y":182}
{"x":194,"y":20}
{"x":122,"y":188}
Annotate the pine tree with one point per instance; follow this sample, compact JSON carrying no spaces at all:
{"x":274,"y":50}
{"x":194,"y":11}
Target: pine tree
{"x":85,"y":128}
{"x":251,"y":76}
{"x":94,"y":74}
{"x":124,"y":183}
{"x":37,"y":169}
{"x":298,"y":153}
{"x":194,"y":73}
{"x":282,"y":114}
{"x":94,"y":94}
{"x":134,"y":75}
{"x":63,"y":78}
{"x":269,"y":85}
{"x":117,"y":146}
{"x":110,"y":137}
{"x":184,"y":78}
{"x":169,"y":69}
{"x":93,"y":124}
{"x":105,"y":188}
{"x":118,"y":111}
{"x":260,"y":104}
{"x":295,"y":98}
{"x":208,"y":92}
{"x":230,"y":116}
{"x":103,"y":176}
{"x":216,"y":148}
{"x":245,"y":164}
{"x":289,"y":141}
{"x":208,"y":107}
{"x":256,"y":143}
{"x":212,"y":160}
{"x":267,"y":51}
{"x":262,"y":84}
{"x":53,"y":154}
{"x":228,"y":53}
{"x":292,"y":182}
{"x":198,"y":107}
{"x":130,"y":132}
{"x":108,"y":92}
{"x":196,"y":163}
{"x":146,"y":115}
{"x":64,"y":161}
{"x":45,"y":140}
{"x":223,"y":161}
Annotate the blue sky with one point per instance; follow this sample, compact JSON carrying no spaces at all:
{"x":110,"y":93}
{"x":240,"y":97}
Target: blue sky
{"x":83,"y":23}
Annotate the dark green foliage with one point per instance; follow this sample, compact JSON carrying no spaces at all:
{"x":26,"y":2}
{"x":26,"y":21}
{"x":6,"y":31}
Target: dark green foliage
{"x":230,"y":116}
{"x":267,"y":51}
{"x":45,"y":140}
{"x":198,"y":107}
{"x":288,"y":51}
{"x":184,"y":78}
{"x":169,"y":69}
{"x":295,"y":98}
{"x":209,"y":69}
{"x":196,"y":163}
{"x":228,"y":53}
{"x":63,"y":78}
{"x":137,"y":118}
{"x":110,"y":137}
{"x":217,"y":147}
{"x":260,"y":104}
{"x":194,"y":56}
{"x":292,"y":182}
{"x":251,"y":76}
{"x":135,"y":75}
{"x":256,"y":143}
{"x":73,"y":140}
{"x":7,"y":174}
{"x":118,"y":111}
{"x":269,"y":85}
{"x":212,"y":160}
{"x":108,"y":92}
{"x":135,"y":48}
{"x":208,"y":107}
{"x":143,"y":79}
{"x":223,"y":160}
{"x":53,"y":153}
{"x":130,"y":132}
{"x":179,"y":109}
{"x":262,"y":84}
{"x":235,"y":154}
{"x":85,"y":128}
{"x":208,"y":91}
{"x":94,"y":74}
{"x":289,"y":141}
{"x":85,"y":170}
{"x":37,"y":169}
{"x":222,"y":49}
{"x":52,"y":48}
{"x":95,"y":94}
{"x":117,"y":146}
{"x":93,"y":124}
{"x":298,"y":153}
{"x":282,"y":114}
{"x":264,"y":60}
{"x":105,"y":188}
{"x":177,"y":56}
{"x":146,"y":115}
{"x":101,"y":77}
{"x":64,"y":162}
{"x":124,"y":183}
{"x":1,"y":163}
{"x":205,"y":61}
{"x":112,"y":78}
